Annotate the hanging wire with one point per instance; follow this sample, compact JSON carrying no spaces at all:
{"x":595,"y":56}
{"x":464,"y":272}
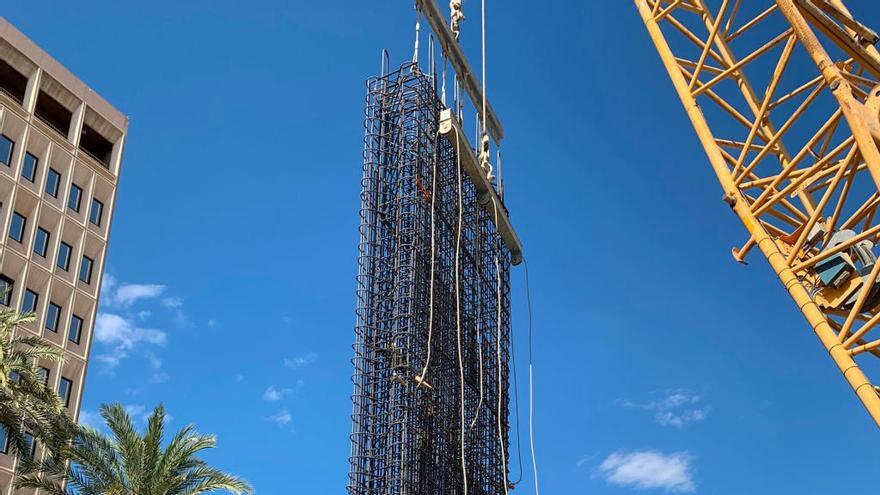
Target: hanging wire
{"x":531,"y":385}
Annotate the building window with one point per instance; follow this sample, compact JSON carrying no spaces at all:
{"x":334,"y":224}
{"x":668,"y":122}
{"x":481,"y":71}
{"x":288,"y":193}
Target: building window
{"x":4,"y":440}
{"x":85,"y":269}
{"x":96,"y":212}
{"x":5,"y":290}
{"x":63,"y":260}
{"x":53,"y":314}
{"x":29,"y":301}
{"x":16,"y":229}
{"x":64,"y":389}
{"x":6,"y":147}
{"x":75,"y":331}
{"x":74,"y":198}
{"x":41,"y":241}
{"x":43,"y":375}
{"x":53,"y":182}
{"x":30,"y":445}
{"x":29,"y":167}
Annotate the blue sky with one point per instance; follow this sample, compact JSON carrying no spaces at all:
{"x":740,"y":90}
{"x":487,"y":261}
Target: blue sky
{"x":234,"y":246}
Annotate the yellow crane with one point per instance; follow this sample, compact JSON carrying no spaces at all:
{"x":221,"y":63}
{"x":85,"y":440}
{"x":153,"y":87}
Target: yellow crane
{"x":785,"y":99}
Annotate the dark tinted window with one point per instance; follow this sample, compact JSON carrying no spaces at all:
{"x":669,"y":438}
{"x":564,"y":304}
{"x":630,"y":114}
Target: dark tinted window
{"x":29,"y":301}
{"x":96,"y":212}
{"x":4,"y":440}
{"x":30,"y":445}
{"x":52,"y":316}
{"x":6,"y":147}
{"x":16,"y":228}
{"x":43,"y":374}
{"x":63,"y":260}
{"x":5,"y":290}
{"x":29,"y":167}
{"x":53,"y":182}
{"x":75,"y":331}
{"x":85,"y":270}
{"x":75,"y":197}
{"x":64,"y":389}
{"x":41,"y":241}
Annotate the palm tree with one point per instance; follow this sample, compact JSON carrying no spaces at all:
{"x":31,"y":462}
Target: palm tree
{"x":128,"y":463}
{"x":29,"y":409}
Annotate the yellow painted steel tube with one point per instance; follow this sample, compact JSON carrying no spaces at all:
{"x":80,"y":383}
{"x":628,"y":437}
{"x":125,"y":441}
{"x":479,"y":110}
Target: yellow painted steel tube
{"x":853,"y":374}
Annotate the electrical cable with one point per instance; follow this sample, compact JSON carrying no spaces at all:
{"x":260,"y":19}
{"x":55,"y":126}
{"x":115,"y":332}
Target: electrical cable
{"x":531,"y":386}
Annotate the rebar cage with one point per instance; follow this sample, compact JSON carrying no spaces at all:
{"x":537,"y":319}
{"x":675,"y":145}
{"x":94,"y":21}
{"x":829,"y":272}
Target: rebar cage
{"x":407,"y":432}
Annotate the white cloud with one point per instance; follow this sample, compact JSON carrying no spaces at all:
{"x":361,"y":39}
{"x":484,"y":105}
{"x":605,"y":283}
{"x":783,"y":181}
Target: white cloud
{"x":111,"y":361}
{"x":649,"y":470}
{"x":90,"y":419}
{"x":274,"y":393}
{"x":281,"y":418}
{"x":172,"y":302}
{"x":141,"y":414}
{"x":154,"y":360}
{"x":675,"y":409}
{"x":123,"y":335}
{"x":584,"y":460}
{"x":108,"y":282}
{"x":127,"y":294}
{"x":299,"y":362}
{"x":137,"y":411}
{"x":116,"y":330}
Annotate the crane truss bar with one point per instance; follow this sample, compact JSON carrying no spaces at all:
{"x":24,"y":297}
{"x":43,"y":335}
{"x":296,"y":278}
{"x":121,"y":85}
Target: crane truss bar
{"x":455,"y":55}
{"x":784,"y":97}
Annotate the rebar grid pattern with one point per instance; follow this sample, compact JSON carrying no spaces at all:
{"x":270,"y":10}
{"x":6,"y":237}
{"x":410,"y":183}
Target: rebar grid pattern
{"x":406,"y":435}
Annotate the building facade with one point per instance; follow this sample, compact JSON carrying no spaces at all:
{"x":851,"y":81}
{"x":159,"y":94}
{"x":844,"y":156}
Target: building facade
{"x":61,"y":149}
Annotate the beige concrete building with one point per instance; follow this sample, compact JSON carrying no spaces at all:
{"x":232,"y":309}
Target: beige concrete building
{"x":60,"y":154}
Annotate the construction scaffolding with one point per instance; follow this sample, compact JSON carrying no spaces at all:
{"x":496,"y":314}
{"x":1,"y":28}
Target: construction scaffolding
{"x":431,"y":373}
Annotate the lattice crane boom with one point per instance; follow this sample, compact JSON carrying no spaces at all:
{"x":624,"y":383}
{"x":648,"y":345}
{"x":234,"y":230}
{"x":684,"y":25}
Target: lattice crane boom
{"x":784,"y":97}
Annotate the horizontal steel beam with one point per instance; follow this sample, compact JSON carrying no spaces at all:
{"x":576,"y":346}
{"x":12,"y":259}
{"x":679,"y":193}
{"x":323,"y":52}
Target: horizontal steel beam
{"x":488,"y":198}
{"x":459,"y":62}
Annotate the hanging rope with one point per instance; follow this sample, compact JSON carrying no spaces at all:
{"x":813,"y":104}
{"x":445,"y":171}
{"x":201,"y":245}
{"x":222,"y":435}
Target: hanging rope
{"x":421,"y":378}
{"x":480,"y":351}
{"x":458,"y":313}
